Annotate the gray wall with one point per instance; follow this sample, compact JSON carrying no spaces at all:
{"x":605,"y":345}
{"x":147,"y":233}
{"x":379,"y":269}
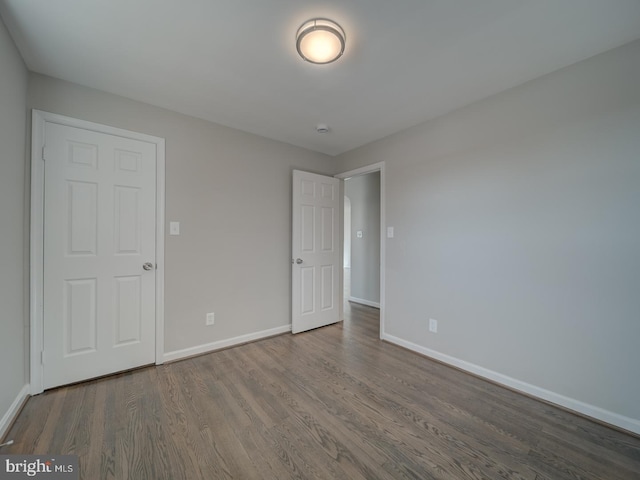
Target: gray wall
{"x":364,"y":193}
{"x":517,"y":227}
{"x":231,"y":193}
{"x":13,"y":233}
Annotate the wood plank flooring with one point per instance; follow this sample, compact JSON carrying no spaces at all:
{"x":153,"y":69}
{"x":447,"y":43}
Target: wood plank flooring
{"x":331,"y":403}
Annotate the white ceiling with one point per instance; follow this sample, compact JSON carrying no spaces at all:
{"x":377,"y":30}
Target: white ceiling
{"x":234,"y":62}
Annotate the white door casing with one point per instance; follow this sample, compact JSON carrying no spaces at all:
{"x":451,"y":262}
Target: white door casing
{"x":96,"y":310}
{"x":315,"y":251}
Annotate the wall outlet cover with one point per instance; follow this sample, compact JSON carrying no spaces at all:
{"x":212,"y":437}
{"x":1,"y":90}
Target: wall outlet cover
{"x":211,"y":318}
{"x":433,"y":325}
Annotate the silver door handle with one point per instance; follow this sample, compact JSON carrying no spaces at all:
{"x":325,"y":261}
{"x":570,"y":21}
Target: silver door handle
{"x":298,"y":261}
{"x":148,"y":266}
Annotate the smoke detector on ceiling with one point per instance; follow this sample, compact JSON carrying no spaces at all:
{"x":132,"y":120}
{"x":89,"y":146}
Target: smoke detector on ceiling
{"x":322,"y":128}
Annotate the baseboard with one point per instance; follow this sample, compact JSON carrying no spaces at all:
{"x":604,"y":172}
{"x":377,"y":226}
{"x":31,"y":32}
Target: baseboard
{"x":597,"y":413}
{"x":14,"y":410}
{"x":220,"y":344}
{"x":362,"y":301}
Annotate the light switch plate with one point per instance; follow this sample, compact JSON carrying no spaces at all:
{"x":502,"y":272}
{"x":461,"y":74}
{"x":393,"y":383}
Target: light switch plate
{"x":389,"y":232}
{"x":174,"y":228}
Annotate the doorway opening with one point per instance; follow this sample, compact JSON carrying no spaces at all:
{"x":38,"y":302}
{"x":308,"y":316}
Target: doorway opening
{"x":363,"y":240}
{"x":346,"y":263}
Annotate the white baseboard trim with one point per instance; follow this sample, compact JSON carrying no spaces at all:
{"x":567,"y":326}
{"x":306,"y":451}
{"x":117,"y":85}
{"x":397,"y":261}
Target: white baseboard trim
{"x":362,"y":301}
{"x":14,"y":409}
{"x":229,"y":342}
{"x":621,"y":421}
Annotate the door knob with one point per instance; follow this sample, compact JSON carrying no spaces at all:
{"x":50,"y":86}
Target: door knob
{"x":298,"y":261}
{"x":148,"y":266}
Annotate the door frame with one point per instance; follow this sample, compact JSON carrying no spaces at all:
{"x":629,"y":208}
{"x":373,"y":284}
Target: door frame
{"x":36,"y":250}
{"x":376,"y":167}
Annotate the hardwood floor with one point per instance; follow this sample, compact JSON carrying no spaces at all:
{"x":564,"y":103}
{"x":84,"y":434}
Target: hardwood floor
{"x":331,"y":403}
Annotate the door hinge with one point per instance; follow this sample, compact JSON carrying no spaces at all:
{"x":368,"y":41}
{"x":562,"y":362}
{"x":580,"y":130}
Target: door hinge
{"x":44,"y":153}
{"x":42,"y":357}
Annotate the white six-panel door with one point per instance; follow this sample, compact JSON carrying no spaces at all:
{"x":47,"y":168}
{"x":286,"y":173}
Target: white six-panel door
{"x":99,"y":231}
{"x":316,"y":251}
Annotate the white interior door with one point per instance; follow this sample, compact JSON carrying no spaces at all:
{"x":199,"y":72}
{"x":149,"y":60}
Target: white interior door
{"x":99,"y":254}
{"x":316,"y":254}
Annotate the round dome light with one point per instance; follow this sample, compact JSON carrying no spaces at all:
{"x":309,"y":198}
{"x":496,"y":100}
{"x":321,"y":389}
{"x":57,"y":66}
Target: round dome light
{"x":320,"y":41}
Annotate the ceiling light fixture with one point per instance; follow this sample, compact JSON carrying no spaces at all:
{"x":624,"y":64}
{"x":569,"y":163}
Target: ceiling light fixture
{"x":320,"y":41}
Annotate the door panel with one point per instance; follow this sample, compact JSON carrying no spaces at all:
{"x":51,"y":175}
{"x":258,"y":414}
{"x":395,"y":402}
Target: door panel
{"x":80,"y":316}
{"x":99,"y":229}
{"x":82,"y":201}
{"x":127,"y":317}
{"x":316,"y":251}
{"x":126,"y":220}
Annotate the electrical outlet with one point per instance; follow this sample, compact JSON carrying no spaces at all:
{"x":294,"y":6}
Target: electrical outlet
{"x":433,"y":325}
{"x":211,"y":318}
